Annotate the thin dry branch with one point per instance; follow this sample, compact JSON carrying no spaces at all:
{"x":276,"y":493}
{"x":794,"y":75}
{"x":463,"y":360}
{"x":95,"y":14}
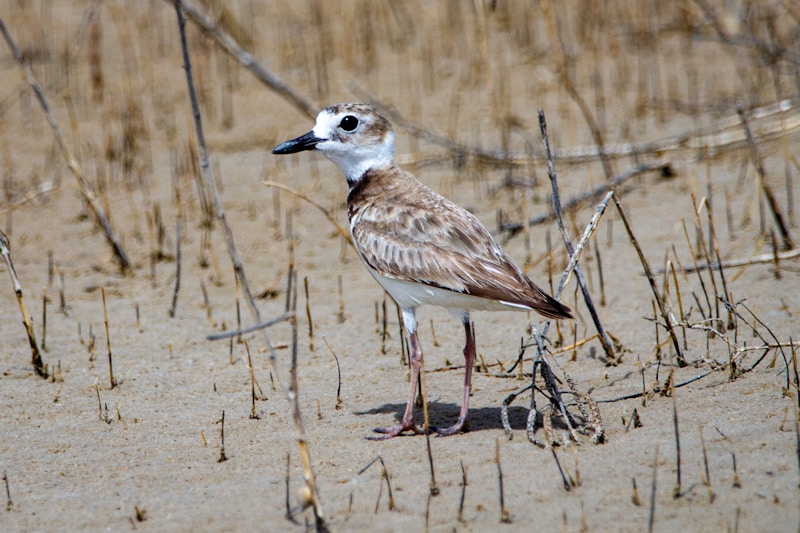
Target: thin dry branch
{"x":587,"y":232}
{"x":36,"y":356}
{"x":770,"y":52}
{"x":566,"y":81}
{"x":332,"y":219}
{"x":589,"y":196}
{"x":31,"y":195}
{"x":734,"y":263}
{"x":788,"y":244}
{"x":69,"y":158}
{"x":310,"y":492}
{"x":291,"y":390}
{"x":235,"y":333}
{"x":177,"y":286}
{"x":246,"y":59}
{"x":551,"y":172}
{"x":646,"y":266}
{"x":384,"y":477}
{"x":644,"y":393}
{"x":775,"y":121}
{"x":207,"y":170}
{"x":586,"y":405}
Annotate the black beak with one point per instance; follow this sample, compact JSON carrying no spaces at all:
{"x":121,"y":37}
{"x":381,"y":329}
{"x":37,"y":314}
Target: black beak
{"x":300,"y":144}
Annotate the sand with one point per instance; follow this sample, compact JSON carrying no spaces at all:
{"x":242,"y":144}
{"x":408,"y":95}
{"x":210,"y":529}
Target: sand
{"x":81,"y":455}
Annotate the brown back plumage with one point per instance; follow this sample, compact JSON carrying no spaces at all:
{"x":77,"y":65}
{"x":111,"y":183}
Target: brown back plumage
{"x":406,"y":231}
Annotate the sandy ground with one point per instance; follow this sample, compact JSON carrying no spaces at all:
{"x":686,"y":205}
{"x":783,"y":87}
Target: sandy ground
{"x":79,"y":455}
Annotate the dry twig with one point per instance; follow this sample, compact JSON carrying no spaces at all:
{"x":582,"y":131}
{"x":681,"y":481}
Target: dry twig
{"x":331,"y":218}
{"x":646,"y":266}
{"x":551,"y":172}
{"x":69,"y":158}
{"x":589,"y":196}
{"x":36,"y":356}
{"x":291,"y":391}
{"x":588,"y":407}
{"x":566,"y":80}
{"x":734,"y":263}
{"x":788,"y":243}
{"x":235,"y":49}
{"x":235,"y":333}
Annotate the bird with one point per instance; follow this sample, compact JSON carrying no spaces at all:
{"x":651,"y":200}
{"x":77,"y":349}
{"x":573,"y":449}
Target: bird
{"x":422,"y":248}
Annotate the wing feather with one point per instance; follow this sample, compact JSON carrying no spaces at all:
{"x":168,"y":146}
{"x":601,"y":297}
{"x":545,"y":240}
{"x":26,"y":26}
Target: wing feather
{"x":436,"y":242}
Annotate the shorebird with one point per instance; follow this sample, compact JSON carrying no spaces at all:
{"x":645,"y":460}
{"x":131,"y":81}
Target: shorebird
{"x":422,"y":248}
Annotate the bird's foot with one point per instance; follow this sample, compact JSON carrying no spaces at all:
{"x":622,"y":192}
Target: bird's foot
{"x":459,"y":426}
{"x":394,"y":431}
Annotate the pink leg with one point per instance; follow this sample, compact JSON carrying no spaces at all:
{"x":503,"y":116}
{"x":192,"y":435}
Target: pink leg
{"x":407,"y":423}
{"x":469,"y":356}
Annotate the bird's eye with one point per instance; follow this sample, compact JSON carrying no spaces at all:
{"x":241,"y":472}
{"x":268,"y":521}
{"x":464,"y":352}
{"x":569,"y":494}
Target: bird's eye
{"x":349,"y":123}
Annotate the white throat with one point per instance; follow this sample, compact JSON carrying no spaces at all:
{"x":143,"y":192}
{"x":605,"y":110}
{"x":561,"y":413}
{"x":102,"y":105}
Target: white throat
{"x":355,"y":158}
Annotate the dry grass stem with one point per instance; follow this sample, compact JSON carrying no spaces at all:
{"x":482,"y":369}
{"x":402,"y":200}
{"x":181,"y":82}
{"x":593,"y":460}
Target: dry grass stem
{"x":777,"y":215}
{"x":310,"y":493}
{"x":767,"y":258}
{"x":308,"y":315}
{"x":75,"y":168}
{"x":460,"y":515}
{"x":643,"y":394}
{"x":651,"y":520}
{"x":44,"y":319}
{"x":707,"y":478}
{"x":384,"y":478}
{"x":338,"y":375}
{"x":426,"y":425}
{"x":587,"y":233}
{"x":551,"y":173}
{"x":291,"y":391}
{"x":340,"y":316}
{"x":330,"y":216}
{"x":222,"y":457}
{"x":796,"y":410}
{"x":289,"y":514}
{"x":246,"y":59}
{"x":253,"y":413}
{"x":9,"y":503}
{"x":505,"y":515}
{"x":36,"y":357}
{"x":665,"y":315}
{"x":176,"y":288}
{"x":206,"y":168}
{"x":676,"y":491}
{"x":237,"y":333}
{"x":561,"y":60}
{"x":635,"y":500}
{"x":111,"y":380}
{"x":634,"y":421}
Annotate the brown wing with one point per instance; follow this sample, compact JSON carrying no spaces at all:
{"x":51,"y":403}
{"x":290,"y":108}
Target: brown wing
{"x":436,"y":242}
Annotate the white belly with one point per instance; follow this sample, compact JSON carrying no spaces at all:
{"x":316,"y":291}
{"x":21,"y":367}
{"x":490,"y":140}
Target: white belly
{"x":410,"y":295}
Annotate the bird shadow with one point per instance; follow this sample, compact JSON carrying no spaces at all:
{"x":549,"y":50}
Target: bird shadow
{"x":445,"y":414}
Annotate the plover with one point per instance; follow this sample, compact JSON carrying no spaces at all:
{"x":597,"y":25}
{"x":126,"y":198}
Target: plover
{"x":421,"y":247}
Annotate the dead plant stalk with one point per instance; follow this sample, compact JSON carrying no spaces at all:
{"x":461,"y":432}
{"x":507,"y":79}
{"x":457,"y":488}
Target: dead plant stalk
{"x":36,"y":357}
{"x":551,"y":173}
{"x":69,"y":158}
{"x":291,"y":391}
